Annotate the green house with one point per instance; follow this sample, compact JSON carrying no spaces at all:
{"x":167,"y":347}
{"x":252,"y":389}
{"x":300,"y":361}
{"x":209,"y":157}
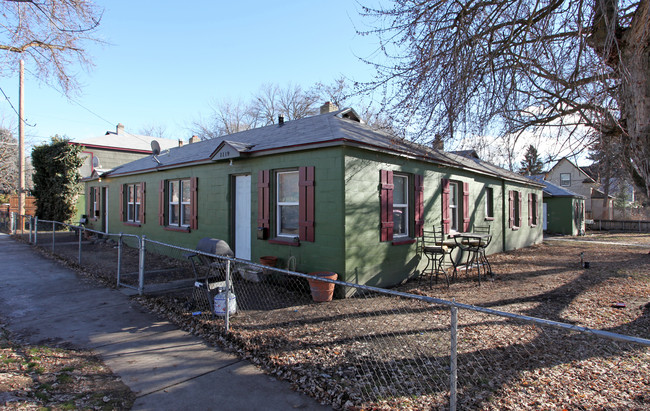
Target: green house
{"x":327,"y":190}
{"x":563,"y":210}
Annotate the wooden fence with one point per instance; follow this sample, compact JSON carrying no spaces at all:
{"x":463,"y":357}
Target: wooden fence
{"x":642,"y":226}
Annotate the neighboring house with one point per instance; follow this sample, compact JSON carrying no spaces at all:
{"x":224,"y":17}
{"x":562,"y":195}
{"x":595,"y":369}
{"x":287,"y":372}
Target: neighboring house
{"x":563,"y":210}
{"x":619,"y":188}
{"x":112,"y":149}
{"x":327,"y":190}
{"x":573,"y":178}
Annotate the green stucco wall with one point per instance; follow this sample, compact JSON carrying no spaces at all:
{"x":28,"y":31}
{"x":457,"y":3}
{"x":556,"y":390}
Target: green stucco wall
{"x":370,"y":261}
{"x":347,"y":211}
{"x":215,"y":213}
{"x":561,"y":218}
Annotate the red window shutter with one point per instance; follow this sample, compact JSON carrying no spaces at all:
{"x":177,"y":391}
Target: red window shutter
{"x":264,"y":200}
{"x":520,"y":208}
{"x":97,"y":201}
{"x":446,"y":220}
{"x":89,"y":202}
{"x":306,"y":203}
{"x":143,"y":196}
{"x":419,"y":205}
{"x":530,"y":209}
{"x":122,"y":188}
{"x":161,"y":203}
{"x":386,"y":204}
{"x":194,"y":203}
{"x":465,"y":207}
{"x":511,"y":208}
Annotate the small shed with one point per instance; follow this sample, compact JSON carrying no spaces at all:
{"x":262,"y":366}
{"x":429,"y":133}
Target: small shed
{"x":563,"y":210}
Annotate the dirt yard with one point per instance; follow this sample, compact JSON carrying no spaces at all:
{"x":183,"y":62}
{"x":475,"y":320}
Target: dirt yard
{"x":376,"y":352}
{"x":381,"y":352}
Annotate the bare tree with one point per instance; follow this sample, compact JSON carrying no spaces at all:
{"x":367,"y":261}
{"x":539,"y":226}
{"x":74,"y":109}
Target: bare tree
{"x":226,"y":117}
{"x":49,"y":33}
{"x":153,"y":130}
{"x":294,"y":103}
{"x":512,"y":66}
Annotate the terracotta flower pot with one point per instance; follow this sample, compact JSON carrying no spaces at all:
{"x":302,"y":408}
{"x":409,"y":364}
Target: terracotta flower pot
{"x":320,"y":290}
{"x":269,"y":260}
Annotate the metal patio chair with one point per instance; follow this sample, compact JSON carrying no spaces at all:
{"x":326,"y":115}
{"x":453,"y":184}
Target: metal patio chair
{"x":209,"y":272}
{"x":435,"y":252}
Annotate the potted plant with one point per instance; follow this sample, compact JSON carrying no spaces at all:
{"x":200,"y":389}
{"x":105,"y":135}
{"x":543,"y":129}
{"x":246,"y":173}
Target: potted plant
{"x":322,"y":291}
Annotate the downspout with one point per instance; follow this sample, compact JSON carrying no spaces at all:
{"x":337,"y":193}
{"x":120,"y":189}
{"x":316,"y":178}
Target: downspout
{"x":503,"y":215}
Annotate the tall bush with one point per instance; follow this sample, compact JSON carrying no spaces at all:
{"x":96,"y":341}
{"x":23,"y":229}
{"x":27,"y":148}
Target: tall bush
{"x":56,"y":179}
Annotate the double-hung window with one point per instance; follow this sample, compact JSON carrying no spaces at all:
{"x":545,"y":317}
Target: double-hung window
{"x":287,"y":204}
{"x":489,"y":203}
{"x":565,"y":179}
{"x":453,"y":205}
{"x":400,"y":206}
{"x":179,"y":203}
{"x":292,"y":194}
{"x":532,"y":210}
{"x":133,"y":203}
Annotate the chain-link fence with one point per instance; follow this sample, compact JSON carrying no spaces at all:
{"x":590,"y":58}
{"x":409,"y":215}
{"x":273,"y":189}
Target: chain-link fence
{"x":376,"y":348}
{"x":5,"y":221}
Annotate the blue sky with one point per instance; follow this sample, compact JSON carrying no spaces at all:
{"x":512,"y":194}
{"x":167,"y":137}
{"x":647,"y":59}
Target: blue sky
{"x":167,"y":61}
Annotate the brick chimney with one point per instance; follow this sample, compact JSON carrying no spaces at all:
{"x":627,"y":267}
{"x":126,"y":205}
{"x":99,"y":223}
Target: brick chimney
{"x":120,"y":128}
{"x":194,"y":139}
{"x":328,"y":107}
{"x":180,"y":142}
{"x":438,"y":143}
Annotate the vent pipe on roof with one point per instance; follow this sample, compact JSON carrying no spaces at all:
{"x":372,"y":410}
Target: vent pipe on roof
{"x":180,"y":142}
{"x":328,"y":107}
{"x":281,"y":120}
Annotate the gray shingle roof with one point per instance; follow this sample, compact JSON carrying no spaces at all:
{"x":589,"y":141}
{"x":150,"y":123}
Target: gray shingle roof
{"x":335,"y":128}
{"x":553,"y":190}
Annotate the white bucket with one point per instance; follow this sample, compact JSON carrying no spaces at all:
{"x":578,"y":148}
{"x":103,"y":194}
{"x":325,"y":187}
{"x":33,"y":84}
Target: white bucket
{"x":220,"y":304}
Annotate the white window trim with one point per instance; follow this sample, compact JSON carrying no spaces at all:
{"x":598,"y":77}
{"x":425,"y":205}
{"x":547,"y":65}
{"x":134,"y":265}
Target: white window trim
{"x":181,"y":203}
{"x":402,"y":206}
{"x":136,"y":203}
{"x":453,"y":206}
{"x":278,"y":203}
{"x":561,"y":180}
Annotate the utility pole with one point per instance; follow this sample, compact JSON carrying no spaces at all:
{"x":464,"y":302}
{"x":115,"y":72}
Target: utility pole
{"x":21,"y":144}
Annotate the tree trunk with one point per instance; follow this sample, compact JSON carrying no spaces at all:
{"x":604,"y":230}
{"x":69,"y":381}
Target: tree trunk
{"x":627,"y":51}
{"x":634,"y":97}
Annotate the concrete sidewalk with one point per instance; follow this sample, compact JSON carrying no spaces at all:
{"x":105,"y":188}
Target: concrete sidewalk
{"x":167,"y":368}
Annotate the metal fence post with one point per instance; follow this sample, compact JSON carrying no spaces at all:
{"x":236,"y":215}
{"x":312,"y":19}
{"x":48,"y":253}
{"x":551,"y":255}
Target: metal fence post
{"x":36,"y":230}
{"x":227,"y":325}
{"x":119,"y":259}
{"x":79,"y":258}
{"x":453,"y":359}
{"x":53,"y":236}
{"x":141,"y":266}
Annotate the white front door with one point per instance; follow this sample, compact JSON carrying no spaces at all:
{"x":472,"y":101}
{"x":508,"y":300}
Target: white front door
{"x":544,"y":213}
{"x":243,"y":217}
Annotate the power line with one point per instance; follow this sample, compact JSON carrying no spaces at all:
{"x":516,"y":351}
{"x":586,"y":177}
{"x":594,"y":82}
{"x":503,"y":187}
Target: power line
{"x":14,"y":109}
{"x":83,"y":107}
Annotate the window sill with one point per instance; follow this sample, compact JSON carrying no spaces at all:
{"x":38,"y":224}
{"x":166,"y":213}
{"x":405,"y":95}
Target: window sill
{"x":132,"y":224}
{"x":515,"y":228}
{"x":179,"y":229}
{"x":292,"y":242}
{"x":489,"y":218}
{"x":404,"y":241}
